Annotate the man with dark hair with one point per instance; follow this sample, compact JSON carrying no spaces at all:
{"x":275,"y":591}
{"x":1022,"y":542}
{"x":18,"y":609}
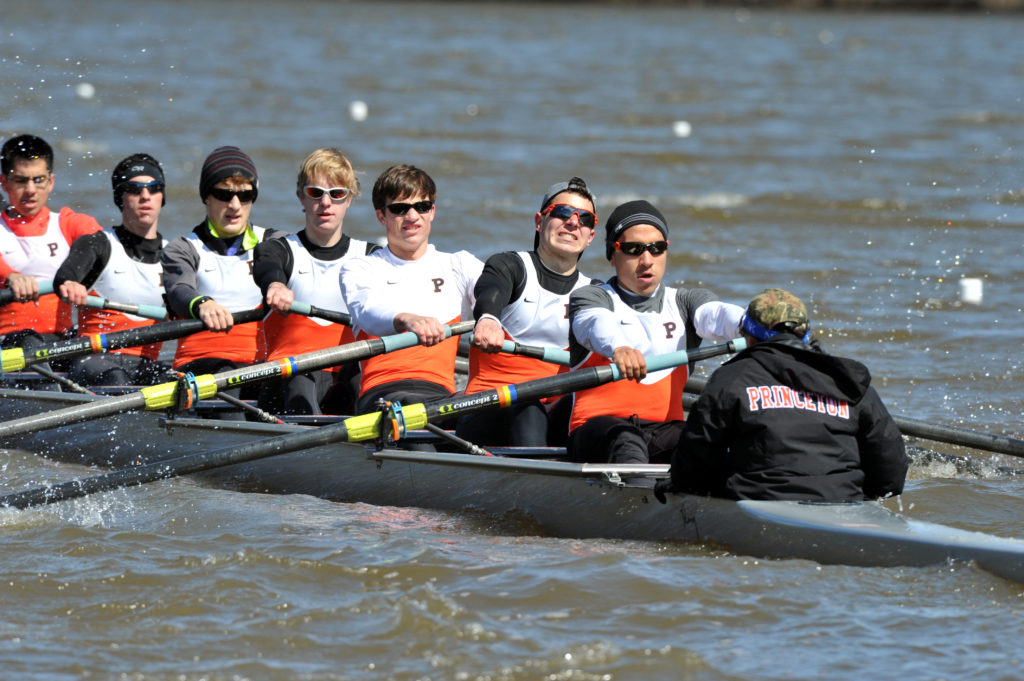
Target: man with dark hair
{"x":408,"y":286}
{"x":785,"y":420}
{"x":637,"y":420}
{"x":34,"y":241}
{"x":120,"y":264}
{"x":207,"y":273}
{"x":524,"y":297}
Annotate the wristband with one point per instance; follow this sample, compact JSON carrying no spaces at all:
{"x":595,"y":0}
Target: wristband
{"x":194,"y":307}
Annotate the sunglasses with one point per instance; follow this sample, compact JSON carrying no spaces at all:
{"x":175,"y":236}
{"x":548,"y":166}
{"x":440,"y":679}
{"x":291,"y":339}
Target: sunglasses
{"x":420,"y":207}
{"x":38,"y":180}
{"x":337,"y":194}
{"x":636,"y":248}
{"x":564,"y":211}
{"x":225,"y":195}
{"x":133,"y":187}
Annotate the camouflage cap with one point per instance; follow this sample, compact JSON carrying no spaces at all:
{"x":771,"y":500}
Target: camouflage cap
{"x":775,"y":307}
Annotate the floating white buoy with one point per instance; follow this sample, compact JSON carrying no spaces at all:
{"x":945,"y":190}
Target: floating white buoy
{"x":358,"y":110}
{"x":85,"y":90}
{"x":971,"y":290}
{"x":682,"y":128}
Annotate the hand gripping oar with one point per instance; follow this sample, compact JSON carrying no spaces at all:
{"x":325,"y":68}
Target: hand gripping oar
{"x":7,"y":295}
{"x":546,"y":354}
{"x":16,"y":359}
{"x":353,"y":429}
{"x":167,"y":395}
{"x":965,"y":437}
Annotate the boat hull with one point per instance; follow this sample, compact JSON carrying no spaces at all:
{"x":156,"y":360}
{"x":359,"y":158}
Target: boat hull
{"x":550,"y":497}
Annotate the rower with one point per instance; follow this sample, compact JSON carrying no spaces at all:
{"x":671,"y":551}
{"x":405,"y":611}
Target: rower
{"x":785,"y":420}
{"x":523,"y":297}
{"x":123,"y":264}
{"x":34,"y":242}
{"x":307,"y":265}
{"x":638,"y":420}
{"x":207,"y":273}
{"x":408,"y":286}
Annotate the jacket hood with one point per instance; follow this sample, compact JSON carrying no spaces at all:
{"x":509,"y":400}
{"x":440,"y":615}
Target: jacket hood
{"x":787,"y":358}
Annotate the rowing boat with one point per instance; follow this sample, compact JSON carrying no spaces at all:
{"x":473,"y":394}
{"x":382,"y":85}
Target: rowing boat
{"x":559,"y":498}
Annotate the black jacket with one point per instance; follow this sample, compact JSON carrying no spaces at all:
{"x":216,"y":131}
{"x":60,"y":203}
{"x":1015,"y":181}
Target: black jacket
{"x":784,"y":420}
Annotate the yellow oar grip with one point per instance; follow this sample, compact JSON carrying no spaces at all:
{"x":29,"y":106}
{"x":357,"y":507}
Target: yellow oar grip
{"x":13,"y":359}
{"x":367,"y":426}
{"x":163,"y":396}
{"x":415,"y":415}
{"x":363,"y":427}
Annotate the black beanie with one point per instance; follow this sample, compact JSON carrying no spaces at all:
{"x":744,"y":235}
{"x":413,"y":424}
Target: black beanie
{"x":225,"y":162}
{"x":631,"y":213}
{"x":133,"y":166}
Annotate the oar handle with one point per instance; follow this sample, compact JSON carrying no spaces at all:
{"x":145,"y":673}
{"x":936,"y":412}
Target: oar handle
{"x":307,"y":310}
{"x":141,"y":310}
{"x":541,"y":352}
{"x":7,"y":295}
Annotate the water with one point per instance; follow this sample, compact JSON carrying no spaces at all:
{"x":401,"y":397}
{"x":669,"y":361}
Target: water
{"x":866,"y":162}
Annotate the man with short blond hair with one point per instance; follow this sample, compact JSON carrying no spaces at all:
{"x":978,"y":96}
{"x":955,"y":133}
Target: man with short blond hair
{"x":306,"y":266}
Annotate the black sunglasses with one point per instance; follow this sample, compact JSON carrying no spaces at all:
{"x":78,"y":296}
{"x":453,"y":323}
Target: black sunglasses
{"x":225,"y":195}
{"x":636,"y":248}
{"x":420,"y":207}
{"x":133,"y":187}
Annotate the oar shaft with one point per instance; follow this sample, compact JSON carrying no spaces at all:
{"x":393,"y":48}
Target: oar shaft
{"x":184,"y":465}
{"x":147,"y":311}
{"x":164,"y":395}
{"x":15,"y":359}
{"x":307,"y":310}
{"x":541,"y":352}
{"x":559,"y":384}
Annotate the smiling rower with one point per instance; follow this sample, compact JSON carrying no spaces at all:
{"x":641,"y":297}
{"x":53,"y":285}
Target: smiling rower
{"x":637,"y":420}
{"x":523,"y":297}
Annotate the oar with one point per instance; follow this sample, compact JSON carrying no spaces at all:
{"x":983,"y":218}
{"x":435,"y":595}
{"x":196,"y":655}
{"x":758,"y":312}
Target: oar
{"x":15,"y":359}
{"x":7,"y":295}
{"x":141,"y":310}
{"x":553,"y":355}
{"x":965,"y":437}
{"x":167,"y":395}
{"x":307,"y":310}
{"x":353,"y":429}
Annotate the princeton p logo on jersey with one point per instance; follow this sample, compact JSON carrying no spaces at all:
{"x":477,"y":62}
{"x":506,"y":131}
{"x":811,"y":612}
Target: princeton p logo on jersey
{"x":53,"y":246}
{"x":438,"y":283}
